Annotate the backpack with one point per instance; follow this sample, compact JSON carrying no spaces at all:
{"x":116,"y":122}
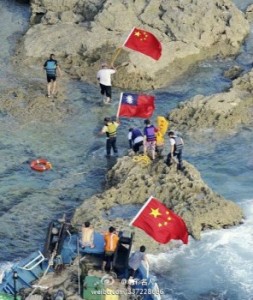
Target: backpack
{"x":179,"y":144}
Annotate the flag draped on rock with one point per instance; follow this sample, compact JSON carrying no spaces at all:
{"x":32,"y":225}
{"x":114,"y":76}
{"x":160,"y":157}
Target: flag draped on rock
{"x":144,"y":42}
{"x":160,"y":223}
{"x":136,"y":105}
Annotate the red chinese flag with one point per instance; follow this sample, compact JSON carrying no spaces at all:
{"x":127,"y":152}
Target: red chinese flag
{"x":144,"y":42}
{"x":134,"y":105}
{"x":160,"y":223}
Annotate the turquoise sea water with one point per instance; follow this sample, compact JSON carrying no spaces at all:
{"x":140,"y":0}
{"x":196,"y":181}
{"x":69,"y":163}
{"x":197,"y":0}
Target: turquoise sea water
{"x":217,"y":267}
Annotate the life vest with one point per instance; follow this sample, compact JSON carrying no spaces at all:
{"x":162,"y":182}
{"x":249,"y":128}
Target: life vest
{"x":136,"y":133}
{"x":150,"y":133}
{"x":111,"y":129}
{"x":179,"y":144}
{"x":111,"y":241}
{"x":50,"y":67}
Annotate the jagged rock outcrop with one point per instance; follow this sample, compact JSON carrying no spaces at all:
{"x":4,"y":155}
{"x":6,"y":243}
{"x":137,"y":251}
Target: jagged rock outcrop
{"x":85,"y":33}
{"x":220,"y":113}
{"x":183,"y":192}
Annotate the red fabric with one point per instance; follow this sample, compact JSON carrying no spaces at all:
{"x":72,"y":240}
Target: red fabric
{"x":144,"y":42}
{"x":161,"y":223}
{"x":134,"y":105}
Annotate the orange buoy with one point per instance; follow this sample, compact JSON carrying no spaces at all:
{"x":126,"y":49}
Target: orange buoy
{"x":40,"y":165}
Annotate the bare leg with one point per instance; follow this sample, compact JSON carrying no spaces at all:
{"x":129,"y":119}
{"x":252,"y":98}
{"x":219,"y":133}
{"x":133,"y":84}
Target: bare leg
{"x":153,"y":154}
{"x":144,"y":148}
{"x":54,"y":91}
{"x":49,"y":89}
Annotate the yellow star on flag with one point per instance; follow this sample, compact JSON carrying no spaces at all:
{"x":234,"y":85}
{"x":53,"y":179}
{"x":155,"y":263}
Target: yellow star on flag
{"x":137,"y":33}
{"x":155,"y":212}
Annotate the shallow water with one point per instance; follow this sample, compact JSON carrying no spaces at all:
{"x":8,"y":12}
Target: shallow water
{"x":206,"y":269}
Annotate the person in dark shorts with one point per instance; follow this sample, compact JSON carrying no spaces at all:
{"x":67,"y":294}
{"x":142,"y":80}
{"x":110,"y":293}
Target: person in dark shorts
{"x":52,"y":70}
{"x":104,"y":78}
{"x":111,"y":239}
{"x":176,"y":150}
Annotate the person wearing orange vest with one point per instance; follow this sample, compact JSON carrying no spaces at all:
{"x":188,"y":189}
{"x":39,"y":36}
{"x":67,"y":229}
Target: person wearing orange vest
{"x":111,"y":242}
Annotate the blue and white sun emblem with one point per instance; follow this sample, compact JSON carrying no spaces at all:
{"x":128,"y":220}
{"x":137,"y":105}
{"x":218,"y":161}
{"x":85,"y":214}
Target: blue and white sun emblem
{"x":129,"y":99}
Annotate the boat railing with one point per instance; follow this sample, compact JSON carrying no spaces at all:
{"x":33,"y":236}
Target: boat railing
{"x":34,"y":262}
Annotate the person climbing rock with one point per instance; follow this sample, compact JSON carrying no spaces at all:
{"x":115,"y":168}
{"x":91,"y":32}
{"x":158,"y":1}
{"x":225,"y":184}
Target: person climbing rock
{"x":135,"y":139}
{"x":176,"y":150}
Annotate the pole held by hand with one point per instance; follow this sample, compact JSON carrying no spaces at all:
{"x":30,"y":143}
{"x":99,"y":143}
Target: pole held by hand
{"x":115,"y":55}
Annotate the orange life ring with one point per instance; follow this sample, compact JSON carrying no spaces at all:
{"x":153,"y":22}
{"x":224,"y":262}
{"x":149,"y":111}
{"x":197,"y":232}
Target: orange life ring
{"x":40,"y":165}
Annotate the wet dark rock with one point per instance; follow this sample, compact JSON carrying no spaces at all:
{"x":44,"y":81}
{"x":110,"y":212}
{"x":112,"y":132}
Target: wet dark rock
{"x":233,"y":72}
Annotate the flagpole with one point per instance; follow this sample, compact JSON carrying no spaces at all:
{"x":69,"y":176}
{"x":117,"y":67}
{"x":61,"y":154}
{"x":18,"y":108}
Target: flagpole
{"x":141,"y":210}
{"x":119,"y":49}
{"x":120,"y":100}
{"x":115,"y":55}
{"x":128,"y":36}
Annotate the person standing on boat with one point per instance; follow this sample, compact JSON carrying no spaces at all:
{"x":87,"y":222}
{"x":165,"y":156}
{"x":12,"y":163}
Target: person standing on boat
{"x":111,"y":239}
{"x":110,"y":129}
{"x":136,"y":260}
{"x":52,"y":70}
{"x":104,"y":78}
{"x":176,"y":150}
{"x":87,"y":235}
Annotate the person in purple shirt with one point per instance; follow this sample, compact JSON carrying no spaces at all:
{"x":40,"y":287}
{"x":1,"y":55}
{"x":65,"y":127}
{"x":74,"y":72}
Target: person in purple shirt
{"x":149,"y":138}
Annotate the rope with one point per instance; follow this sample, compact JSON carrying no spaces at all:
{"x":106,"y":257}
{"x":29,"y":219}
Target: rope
{"x":50,"y":263}
{"x":142,"y":159}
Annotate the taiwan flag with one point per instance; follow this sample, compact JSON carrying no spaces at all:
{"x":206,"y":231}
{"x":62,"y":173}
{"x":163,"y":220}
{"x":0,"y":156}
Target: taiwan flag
{"x":160,"y":223}
{"x":144,"y":42}
{"x":135,"y":105}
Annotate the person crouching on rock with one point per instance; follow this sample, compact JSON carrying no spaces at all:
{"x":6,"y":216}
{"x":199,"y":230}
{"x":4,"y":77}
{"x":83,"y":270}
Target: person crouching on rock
{"x":135,"y":139}
{"x":176,"y":150}
{"x":87,"y":235}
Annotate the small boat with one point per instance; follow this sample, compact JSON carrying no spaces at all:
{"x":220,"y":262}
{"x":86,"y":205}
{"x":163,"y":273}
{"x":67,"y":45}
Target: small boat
{"x":62,"y":248}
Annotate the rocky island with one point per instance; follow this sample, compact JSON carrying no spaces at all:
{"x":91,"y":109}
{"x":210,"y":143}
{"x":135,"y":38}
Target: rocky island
{"x":85,"y":33}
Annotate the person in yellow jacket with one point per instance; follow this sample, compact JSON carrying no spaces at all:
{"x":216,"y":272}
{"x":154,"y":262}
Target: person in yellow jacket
{"x":110,"y":129}
{"x":111,"y":243}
